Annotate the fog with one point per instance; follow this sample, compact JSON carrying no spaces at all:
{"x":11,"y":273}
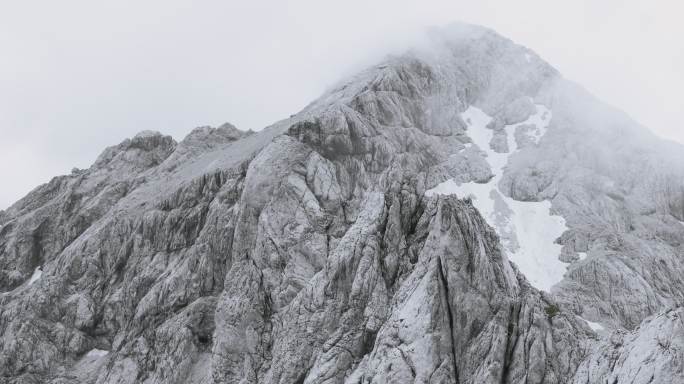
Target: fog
{"x":76,"y":76}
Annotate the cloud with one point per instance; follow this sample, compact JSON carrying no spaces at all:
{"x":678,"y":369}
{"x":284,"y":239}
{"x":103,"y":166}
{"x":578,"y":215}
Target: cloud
{"x":77,"y":76}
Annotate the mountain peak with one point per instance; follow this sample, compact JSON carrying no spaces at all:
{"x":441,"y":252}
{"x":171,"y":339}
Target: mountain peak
{"x":457,"y":213}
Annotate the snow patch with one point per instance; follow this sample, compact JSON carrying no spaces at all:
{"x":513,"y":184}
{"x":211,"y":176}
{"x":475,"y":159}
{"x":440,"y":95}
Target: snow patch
{"x":596,"y":327}
{"x":97,"y":353}
{"x":527,"y":230}
{"x":528,"y":57}
{"x":37,"y":273}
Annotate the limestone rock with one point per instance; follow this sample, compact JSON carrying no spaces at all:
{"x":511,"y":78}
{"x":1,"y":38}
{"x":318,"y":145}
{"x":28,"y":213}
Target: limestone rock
{"x":311,"y":252}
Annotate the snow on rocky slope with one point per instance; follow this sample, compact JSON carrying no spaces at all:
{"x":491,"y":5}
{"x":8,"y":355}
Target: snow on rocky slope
{"x":456,"y":214}
{"x":528,"y":231}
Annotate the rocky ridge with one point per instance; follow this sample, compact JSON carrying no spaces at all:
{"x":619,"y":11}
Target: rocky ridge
{"x":310,"y":252}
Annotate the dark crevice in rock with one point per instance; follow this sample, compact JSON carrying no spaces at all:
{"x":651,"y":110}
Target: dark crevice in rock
{"x":512,"y":337}
{"x":450,"y":317}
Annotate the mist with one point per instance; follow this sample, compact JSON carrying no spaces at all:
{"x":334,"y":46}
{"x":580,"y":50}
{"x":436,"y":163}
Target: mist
{"x":77,"y":76}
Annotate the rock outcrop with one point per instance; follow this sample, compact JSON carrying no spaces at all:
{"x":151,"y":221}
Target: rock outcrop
{"x":311,"y":252}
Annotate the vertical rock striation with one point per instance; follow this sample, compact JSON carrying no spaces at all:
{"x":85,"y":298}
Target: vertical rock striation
{"x":309,"y":252}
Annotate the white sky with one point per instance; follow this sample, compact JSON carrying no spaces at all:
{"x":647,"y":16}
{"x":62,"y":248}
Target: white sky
{"x":77,"y":76}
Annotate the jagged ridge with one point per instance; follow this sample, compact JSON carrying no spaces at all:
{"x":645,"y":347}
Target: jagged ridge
{"x":309,"y":252}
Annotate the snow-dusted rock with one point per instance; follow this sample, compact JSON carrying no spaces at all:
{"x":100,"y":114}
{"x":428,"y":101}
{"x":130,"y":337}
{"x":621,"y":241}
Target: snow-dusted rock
{"x":653,"y":353}
{"x":456,"y":214}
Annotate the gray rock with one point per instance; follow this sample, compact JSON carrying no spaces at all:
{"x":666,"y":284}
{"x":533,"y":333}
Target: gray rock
{"x":650,"y":354}
{"x":308,"y":252}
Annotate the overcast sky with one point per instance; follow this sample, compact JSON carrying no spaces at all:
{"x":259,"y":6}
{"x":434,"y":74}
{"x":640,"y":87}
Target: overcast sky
{"x":77,"y":76}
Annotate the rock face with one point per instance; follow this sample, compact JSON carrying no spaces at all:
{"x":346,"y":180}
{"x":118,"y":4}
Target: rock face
{"x":314,"y":251}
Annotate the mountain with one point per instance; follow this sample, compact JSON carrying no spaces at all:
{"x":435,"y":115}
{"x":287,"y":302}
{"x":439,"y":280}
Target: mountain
{"x":459,"y":213}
